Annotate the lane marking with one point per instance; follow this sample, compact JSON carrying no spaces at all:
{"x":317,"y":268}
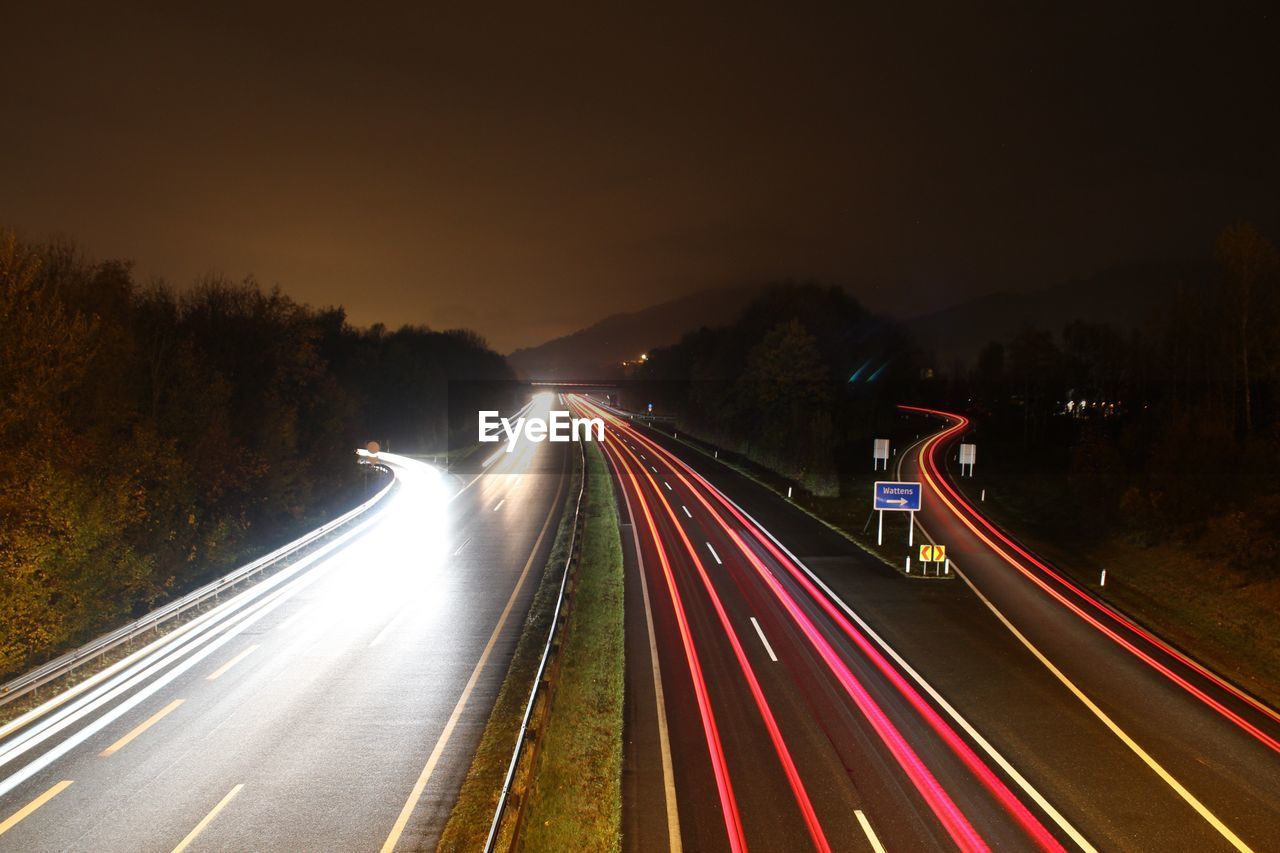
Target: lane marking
{"x":263,"y":597}
{"x":424,"y":777}
{"x":499,"y":505}
{"x":208,"y":819}
{"x":714,"y":554}
{"x":768,"y":648}
{"x":668,"y":485}
{"x":1210,"y":817}
{"x":711,"y":732}
{"x":760,"y":529}
{"x":151,"y":721}
{"x":24,"y":812}
{"x":220,"y":671}
{"x":464,"y":544}
{"x":686,"y":511}
{"x":871,"y":833}
{"x":1106,"y":720}
{"x":987,"y":747}
{"x":790,"y":770}
{"x":211,"y":630}
{"x":653,"y":469}
{"x":664,"y":735}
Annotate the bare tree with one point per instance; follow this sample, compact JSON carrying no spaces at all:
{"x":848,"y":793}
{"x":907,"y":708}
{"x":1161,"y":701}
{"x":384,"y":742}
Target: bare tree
{"x":1247,"y":257}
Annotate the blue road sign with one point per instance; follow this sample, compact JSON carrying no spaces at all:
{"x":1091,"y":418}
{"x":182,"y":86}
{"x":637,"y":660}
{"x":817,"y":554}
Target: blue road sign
{"x":897,"y":497}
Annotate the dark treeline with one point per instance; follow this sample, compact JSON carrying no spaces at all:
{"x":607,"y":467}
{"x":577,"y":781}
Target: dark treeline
{"x":799,"y":383}
{"x":150,"y":438}
{"x":1172,"y":433}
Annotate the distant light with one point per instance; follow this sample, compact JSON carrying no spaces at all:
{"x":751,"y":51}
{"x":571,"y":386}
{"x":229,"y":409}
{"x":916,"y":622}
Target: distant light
{"x":644,"y":356}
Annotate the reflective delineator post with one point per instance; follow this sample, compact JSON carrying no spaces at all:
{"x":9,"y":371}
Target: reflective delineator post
{"x":788,"y":493}
{"x":1103,"y":580}
{"x":908,"y":564}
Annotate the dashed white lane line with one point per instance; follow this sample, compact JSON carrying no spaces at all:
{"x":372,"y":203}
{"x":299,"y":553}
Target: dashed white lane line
{"x":871,"y":833}
{"x":768,"y":648}
{"x":499,"y":504}
{"x":714,"y":554}
{"x":686,"y":510}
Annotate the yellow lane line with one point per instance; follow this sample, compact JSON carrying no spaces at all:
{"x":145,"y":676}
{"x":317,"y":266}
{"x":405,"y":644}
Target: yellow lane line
{"x":421,"y":785}
{"x":1159,"y":769}
{"x":235,"y":660}
{"x":22,"y":813}
{"x":1111,"y":724}
{"x":151,"y":721}
{"x":208,"y":819}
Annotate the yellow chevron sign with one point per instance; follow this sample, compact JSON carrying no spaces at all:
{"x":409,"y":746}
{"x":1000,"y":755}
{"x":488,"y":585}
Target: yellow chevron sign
{"x":933,"y":553}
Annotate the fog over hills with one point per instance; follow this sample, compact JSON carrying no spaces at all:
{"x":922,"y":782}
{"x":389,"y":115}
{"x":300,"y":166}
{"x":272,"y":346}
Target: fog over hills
{"x":1133,"y":296}
{"x":599,"y":350}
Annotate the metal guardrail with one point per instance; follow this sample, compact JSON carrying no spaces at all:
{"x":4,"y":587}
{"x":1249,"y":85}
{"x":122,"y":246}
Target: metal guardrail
{"x":540,"y":681}
{"x":64,"y":664}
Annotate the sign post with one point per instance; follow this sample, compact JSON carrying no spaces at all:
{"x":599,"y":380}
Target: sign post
{"x":933,"y":554}
{"x":896,"y":497}
{"x":881,"y":452}
{"x":968,"y":455}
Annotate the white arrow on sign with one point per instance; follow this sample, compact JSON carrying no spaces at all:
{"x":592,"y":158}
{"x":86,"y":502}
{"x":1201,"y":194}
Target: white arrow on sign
{"x":898,"y":501}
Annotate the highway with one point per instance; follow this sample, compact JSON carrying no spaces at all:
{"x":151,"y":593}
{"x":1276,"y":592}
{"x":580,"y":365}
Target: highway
{"x":334,"y":706}
{"x":785,"y":720}
{"x":787,"y":658}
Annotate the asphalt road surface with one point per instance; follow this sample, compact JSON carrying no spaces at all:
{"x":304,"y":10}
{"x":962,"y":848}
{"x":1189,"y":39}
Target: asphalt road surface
{"x":906,"y":712}
{"x":333,"y":707}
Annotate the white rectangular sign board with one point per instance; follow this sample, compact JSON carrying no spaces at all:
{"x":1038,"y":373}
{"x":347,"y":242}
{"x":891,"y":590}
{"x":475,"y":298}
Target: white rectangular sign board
{"x":968,"y":454}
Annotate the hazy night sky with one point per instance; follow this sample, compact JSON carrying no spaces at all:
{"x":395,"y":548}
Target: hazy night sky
{"x":525,"y":171}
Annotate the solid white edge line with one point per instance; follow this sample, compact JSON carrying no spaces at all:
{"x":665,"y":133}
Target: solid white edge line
{"x":420,"y":786}
{"x":227,"y":620}
{"x":990,"y":750}
{"x":664,"y":736}
{"x":1190,"y":799}
{"x":768,"y":648}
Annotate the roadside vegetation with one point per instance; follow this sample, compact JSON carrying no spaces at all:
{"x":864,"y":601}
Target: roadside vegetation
{"x":573,"y":798}
{"x":576,"y":799}
{"x":150,"y":438}
{"x":1154,"y":453}
{"x":1155,"y":456}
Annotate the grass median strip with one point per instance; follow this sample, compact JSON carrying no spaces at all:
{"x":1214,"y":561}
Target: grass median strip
{"x":576,"y":799}
{"x":578,"y":793}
